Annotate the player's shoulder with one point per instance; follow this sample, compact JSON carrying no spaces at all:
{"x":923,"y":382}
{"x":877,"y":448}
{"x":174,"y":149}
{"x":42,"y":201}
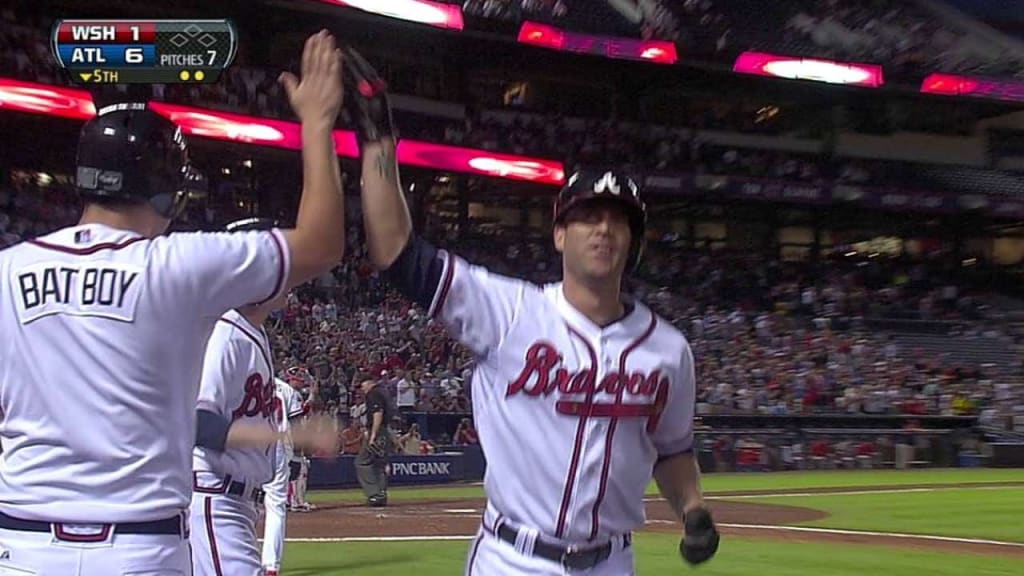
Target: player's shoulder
{"x":80,"y":240}
{"x":457,"y":265}
{"x":663,"y":334}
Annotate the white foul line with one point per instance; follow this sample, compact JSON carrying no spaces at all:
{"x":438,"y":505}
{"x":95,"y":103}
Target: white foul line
{"x":879,"y":534}
{"x":841,"y":492}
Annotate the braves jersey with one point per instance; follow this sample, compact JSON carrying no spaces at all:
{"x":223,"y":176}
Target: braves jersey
{"x":238,"y":384}
{"x":104,"y":333}
{"x":572,"y":416}
{"x":292,"y":407}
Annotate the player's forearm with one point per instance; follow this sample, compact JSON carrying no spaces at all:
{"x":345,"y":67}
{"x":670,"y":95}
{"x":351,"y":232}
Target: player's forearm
{"x":385,"y":214}
{"x":242,"y":435}
{"x":678,"y":479}
{"x":320,"y":223}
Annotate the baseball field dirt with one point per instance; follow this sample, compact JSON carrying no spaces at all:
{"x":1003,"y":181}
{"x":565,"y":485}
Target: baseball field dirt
{"x":461,"y":517}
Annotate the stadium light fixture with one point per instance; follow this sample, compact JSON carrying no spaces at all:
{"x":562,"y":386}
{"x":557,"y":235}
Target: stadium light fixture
{"x":545,"y":36}
{"x":45,"y":99}
{"x":815,"y":69}
{"x":437,"y":14}
{"x":955,"y":85}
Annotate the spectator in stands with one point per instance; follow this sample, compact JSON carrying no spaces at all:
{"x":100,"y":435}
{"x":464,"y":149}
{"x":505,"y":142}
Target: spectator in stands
{"x":466,"y":434}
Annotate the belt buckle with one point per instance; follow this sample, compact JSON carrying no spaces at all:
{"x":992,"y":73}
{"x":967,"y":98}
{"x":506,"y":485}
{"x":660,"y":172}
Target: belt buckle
{"x":573,"y":559}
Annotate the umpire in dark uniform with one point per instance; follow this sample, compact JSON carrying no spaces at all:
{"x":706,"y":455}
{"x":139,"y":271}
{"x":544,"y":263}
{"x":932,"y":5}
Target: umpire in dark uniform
{"x":372,"y":461}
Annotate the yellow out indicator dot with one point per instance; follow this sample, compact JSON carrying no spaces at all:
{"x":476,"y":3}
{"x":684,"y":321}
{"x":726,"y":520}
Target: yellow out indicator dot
{"x":199,"y":75}
{"x":183,"y":75}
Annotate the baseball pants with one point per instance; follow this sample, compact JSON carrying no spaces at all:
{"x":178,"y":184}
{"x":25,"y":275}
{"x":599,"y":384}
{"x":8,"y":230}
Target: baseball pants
{"x":489,"y":555}
{"x":275,"y":504}
{"x":223,"y":531}
{"x":371,"y":471}
{"x":45,"y":554}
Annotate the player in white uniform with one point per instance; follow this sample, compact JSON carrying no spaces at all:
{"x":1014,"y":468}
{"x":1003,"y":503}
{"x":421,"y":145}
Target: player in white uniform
{"x":237,"y":438}
{"x":104,"y":328}
{"x":605,"y":385}
{"x":275,"y":493}
{"x":296,"y":409}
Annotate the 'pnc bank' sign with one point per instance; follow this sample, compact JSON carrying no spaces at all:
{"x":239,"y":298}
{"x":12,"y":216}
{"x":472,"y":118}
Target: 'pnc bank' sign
{"x":421,"y":468}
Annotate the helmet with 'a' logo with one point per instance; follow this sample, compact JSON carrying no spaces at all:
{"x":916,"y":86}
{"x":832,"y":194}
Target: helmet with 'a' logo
{"x":588,"y":186}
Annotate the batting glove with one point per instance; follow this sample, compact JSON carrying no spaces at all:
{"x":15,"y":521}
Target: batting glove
{"x":700,"y":541}
{"x":366,"y":100}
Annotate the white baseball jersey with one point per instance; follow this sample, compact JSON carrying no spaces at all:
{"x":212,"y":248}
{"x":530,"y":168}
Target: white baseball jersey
{"x":293,"y":407}
{"x":283,"y":403}
{"x":104,"y":334}
{"x":238,"y":384}
{"x":572,"y":417}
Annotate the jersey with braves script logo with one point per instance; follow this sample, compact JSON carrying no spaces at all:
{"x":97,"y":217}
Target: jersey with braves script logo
{"x":572,"y":416}
{"x":238,"y":384}
{"x":104,"y":334}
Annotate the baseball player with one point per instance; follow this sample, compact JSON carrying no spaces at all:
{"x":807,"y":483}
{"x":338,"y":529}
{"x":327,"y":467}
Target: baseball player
{"x":237,"y":437}
{"x":275,"y":493}
{"x":105,"y":324}
{"x":297,"y":409}
{"x":604,"y":386}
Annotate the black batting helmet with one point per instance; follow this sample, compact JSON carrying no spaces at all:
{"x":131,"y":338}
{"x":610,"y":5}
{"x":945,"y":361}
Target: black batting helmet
{"x":607,"y":186}
{"x":132,"y":154}
{"x":247,"y":224}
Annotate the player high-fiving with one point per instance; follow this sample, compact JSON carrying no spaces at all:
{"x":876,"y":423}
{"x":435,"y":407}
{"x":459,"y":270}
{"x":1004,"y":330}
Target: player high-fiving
{"x":606,"y":386}
{"x":105,"y":325}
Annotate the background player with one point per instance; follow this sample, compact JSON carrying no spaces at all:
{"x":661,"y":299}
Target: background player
{"x":275,"y":493}
{"x":238,"y":436}
{"x":605,"y":386}
{"x":299,"y":380}
{"x":105,"y":325}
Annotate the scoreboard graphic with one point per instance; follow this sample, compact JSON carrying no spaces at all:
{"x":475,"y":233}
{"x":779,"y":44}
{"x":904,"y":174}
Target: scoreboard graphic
{"x":144,"y":51}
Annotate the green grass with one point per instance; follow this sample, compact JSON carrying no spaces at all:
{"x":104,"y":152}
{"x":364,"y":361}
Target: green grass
{"x":992,"y":513}
{"x":657,"y":555}
{"x":736,"y":482}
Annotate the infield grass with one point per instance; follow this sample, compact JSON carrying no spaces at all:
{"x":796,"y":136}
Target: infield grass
{"x":657,"y":554}
{"x":992,"y":513}
{"x":735,"y":482}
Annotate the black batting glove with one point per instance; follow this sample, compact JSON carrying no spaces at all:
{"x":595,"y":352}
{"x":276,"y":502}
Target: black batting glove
{"x":366,"y":100}
{"x":700,"y":541}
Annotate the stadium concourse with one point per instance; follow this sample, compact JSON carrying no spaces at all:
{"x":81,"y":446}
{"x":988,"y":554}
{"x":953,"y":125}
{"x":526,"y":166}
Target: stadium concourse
{"x":874,"y":321}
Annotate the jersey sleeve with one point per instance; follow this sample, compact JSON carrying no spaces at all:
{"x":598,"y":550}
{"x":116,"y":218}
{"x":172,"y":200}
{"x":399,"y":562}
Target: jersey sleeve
{"x":476,"y":306}
{"x":222,"y":362}
{"x":293,"y":405}
{"x":674,"y":432}
{"x":223,"y":271}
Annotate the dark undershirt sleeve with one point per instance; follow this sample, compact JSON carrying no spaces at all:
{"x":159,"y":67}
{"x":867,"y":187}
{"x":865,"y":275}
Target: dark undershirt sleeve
{"x":211,"y":430}
{"x":416,"y":273}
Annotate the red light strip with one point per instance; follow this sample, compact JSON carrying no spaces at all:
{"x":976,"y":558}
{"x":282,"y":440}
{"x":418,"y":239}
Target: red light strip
{"x":816,"y":69}
{"x":955,"y":85}
{"x":437,"y":14}
{"x":536,"y":34}
{"x":77,"y":104}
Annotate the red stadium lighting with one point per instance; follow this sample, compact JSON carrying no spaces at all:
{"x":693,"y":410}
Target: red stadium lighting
{"x":545,"y":36}
{"x":541,"y":35}
{"x":815,"y":69}
{"x":954,"y":85}
{"x":437,"y":14}
{"x":468,"y":160}
{"x":46,"y":99}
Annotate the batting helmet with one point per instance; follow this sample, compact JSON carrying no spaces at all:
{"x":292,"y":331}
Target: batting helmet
{"x":248,"y":224}
{"x":298,"y":377}
{"x":607,"y":186}
{"x":132,"y":154}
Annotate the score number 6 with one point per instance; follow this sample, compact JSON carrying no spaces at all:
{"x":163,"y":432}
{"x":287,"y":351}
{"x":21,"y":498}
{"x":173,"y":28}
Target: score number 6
{"x":134,"y":56}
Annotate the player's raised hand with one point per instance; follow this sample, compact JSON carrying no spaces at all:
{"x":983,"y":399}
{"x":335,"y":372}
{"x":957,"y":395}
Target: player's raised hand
{"x":317,"y":434}
{"x":318,"y":95}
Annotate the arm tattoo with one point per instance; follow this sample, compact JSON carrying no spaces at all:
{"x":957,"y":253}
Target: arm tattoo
{"x":386,"y":165}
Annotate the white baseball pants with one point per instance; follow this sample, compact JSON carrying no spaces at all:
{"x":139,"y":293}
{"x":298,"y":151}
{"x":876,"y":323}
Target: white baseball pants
{"x":224,"y":534}
{"x":44,"y":554}
{"x":275,"y":504}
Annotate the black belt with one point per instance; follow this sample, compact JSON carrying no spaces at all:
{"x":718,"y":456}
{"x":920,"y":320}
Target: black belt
{"x":230,"y":487}
{"x":570,"y":557}
{"x":173,"y":526}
